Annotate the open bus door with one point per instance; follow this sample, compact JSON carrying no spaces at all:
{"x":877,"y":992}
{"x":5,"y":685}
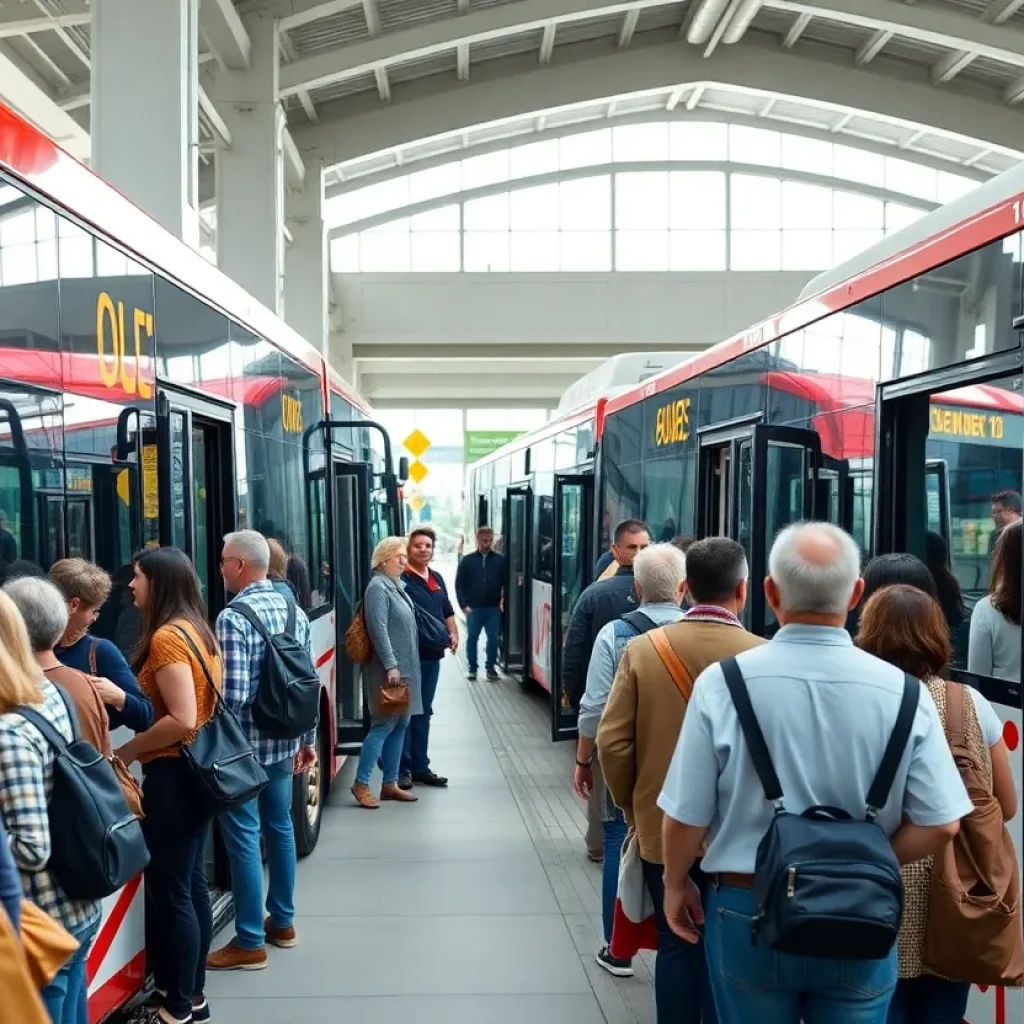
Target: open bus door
{"x":515,"y":622}
{"x":573,"y":542}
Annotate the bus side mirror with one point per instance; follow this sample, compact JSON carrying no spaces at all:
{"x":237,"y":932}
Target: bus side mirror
{"x":403,"y":469}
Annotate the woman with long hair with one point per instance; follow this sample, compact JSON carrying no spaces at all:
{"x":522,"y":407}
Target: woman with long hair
{"x":907,"y":628}
{"x":176,"y":649}
{"x":995,"y":622}
{"x":950,"y":595}
{"x":26,"y":785}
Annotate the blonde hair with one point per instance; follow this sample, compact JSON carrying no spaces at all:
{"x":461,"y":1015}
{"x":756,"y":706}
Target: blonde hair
{"x":385,"y":549}
{"x":278,"y":568}
{"x":77,"y":578}
{"x":19,"y":671}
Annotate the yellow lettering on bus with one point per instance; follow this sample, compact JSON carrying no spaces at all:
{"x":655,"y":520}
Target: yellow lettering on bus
{"x":291,"y":415}
{"x":672,"y":423}
{"x":116,"y":368}
{"x":105,"y":312}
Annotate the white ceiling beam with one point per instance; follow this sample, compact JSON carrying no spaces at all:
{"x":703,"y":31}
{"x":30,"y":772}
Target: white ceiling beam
{"x":912,"y":140}
{"x":463,"y":6}
{"x":873,"y":47}
{"x":54,"y":72}
{"x":372,"y":16}
{"x":66,"y":38}
{"x":796,"y":30}
{"x":693,"y":100}
{"x":221,"y":25}
{"x":383,"y":84}
{"x":628,"y":28}
{"x":978,"y":157}
{"x":429,"y":38}
{"x":1014,"y":92}
{"x":462,"y":61}
{"x":948,"y":67}
{"x":721,"y":26}
{"x":741,"y":21}
{"x":74,"y":96}
{"x":294,"y":165}
{"x":1001,"y":10}
{"x":212,"y":114}
{"x":295,"y":13}
{"x":547,"y":42}
{"x":674,"y":97}
{"x":308,"y":107}
{"x":841,"y":123}
{"x":44,"y":23}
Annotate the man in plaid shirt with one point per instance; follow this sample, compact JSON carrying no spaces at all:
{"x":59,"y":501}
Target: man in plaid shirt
{"x":244,"y":565}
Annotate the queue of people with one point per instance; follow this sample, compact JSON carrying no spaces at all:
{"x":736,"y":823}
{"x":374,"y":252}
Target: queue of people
{"x":673,"y":703}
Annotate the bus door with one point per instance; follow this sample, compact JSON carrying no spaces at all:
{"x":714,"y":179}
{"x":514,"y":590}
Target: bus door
{"x":574,"y":528}
{"x":515,"y":622}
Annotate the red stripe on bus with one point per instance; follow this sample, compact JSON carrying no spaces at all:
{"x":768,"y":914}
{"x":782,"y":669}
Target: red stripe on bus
{"x":105,"y":939}
{"x":325,"y":657}
{"x":116,"y":991}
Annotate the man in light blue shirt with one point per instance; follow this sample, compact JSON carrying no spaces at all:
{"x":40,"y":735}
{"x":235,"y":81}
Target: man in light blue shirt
{"x":659,"y":576}
{"x":827,"y":710}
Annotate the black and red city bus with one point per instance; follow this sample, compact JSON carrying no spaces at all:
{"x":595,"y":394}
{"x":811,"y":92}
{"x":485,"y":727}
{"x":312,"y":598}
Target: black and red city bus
{"x":146,"y":399}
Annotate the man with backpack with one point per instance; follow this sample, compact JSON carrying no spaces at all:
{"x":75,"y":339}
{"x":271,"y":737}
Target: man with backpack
{"x":659,"y":579}
{"x":270,"y":684}
{"x":809,"y":770}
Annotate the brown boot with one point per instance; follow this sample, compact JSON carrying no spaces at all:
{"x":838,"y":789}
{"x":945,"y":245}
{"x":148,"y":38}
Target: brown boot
{"x":392,"y":791}
{"x":283,"y":938}
{"x":364,"y":797}
{"x":234,"y":958}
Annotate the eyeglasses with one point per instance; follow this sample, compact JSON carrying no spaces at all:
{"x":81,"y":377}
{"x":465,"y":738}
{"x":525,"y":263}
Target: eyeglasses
{"x":231,"y":558}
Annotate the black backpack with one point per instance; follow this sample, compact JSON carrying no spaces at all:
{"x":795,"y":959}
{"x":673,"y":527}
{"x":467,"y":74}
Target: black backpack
{"x":96,"y":843}
{"x":826,"y":884}
{"x":288,"y":697}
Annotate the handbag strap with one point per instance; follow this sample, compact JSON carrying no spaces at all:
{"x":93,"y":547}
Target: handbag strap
{"x":93,"y":644}
{"x":956,"y":732}
{"x":878,"y":794}
{"x":202,"y":661}
{"x":676,"y":669}
{"x":752,"y":732}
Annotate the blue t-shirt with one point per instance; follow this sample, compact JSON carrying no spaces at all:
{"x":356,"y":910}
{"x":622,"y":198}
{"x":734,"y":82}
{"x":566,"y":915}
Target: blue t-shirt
{"x":137,"y":713}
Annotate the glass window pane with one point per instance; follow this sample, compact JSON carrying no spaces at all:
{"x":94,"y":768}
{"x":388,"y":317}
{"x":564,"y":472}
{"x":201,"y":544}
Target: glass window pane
{"x":698,"y":140}
{"x":446,"y":218}
{"x":534,"y":158}
{"x":345,"y":254}
{"x":435,"y":182}
{"x":18,"y":264}
{"x":487,"y":214}
{"x":697,"y":250}
{"x":384,"y":252}
{"x":486,"y":251}
{"x":952,"y":186}
{"x":640,"y":142}
{"x":754,"y":146}
{"x":898,"y":216}
{"x":19,"y":229}
{"x":585,"y":149}
{"x":586,"y":203}
{"x":371,"y":200}
{"x":856,"y":165}
{"x":436,"y":251}
{"x":697,"y":200}
{"x":110,"y":262}
{"x":756,"y":202}
{"x":806,"y":250}
{"x":802,"y":154}
{"x":806,"y":206}
{"x":534,"y":251}
{"x":756,"y":250}
{"x":849,"y":243}
{"x":641,"y":200}
{"x":534,"y":209}
{"x":641,"y":250}
{"x":399,"y":224}
{"x":913,"y":179}
{"x":488,"y":169}
{"x":74,"y":251}
{"x":853,"y":211}
{"x":585,"y":250}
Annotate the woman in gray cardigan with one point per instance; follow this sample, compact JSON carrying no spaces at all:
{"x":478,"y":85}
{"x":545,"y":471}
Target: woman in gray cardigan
{"x":391,"y":622}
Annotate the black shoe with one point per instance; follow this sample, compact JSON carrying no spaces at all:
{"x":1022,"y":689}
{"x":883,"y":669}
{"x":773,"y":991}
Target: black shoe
{"x":201,"y":1012}
{"x":471,"y":676}
{"x":614,"y":966}
{"x":430,"y":779}
{"x":493,"y":676}
{"x":405,"y":781}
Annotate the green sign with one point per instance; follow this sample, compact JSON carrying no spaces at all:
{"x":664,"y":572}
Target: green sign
{"x":479,"y":443}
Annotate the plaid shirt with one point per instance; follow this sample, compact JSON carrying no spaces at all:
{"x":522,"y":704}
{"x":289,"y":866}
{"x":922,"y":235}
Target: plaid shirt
{"x":242,"y":650}
{"x":26,"y":785}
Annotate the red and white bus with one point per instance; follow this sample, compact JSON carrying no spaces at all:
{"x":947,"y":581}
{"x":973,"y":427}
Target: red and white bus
{"x":147,"y":399}
{"x":888,"y":400}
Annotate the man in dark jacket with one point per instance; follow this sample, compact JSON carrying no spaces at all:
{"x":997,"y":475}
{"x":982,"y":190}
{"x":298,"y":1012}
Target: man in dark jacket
{"x":599,"y":604}
{"x":480,"y":591}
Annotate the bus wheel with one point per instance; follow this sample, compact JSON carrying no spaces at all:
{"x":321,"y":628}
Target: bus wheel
{"x":309,"y":790}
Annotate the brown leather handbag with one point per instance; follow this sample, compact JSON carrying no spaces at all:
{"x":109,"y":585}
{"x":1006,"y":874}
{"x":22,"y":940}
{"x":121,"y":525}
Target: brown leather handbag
{"x":47,"y":943}
{"x":393,"y":700}
{"x":358,"y":646}
{"x":21,"y":1000}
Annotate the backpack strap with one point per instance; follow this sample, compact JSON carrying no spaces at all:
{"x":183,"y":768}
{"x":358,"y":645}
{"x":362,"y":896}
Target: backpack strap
{"x":956,"y":731}
{"x":290,"y":624}
{"x":251,"y":617}
{"x":752,"y":732}
{"x":878,"y":794}
{"x":641,"y":622}
{"x":676,"y":668}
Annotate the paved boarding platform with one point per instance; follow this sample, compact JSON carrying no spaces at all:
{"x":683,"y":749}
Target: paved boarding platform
{"x":475,"y":904}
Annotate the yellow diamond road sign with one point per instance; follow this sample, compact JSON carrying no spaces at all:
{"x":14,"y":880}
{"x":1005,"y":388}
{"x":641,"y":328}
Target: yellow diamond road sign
{"x":418,"y":471}
{"x":417,"y":443}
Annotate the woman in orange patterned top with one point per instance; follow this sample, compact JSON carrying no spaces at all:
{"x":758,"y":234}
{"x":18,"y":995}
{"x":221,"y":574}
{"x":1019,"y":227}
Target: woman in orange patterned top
{"x":178,"y":918}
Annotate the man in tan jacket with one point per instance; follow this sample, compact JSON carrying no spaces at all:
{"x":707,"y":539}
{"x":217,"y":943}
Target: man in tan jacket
{"x":638,"y":734}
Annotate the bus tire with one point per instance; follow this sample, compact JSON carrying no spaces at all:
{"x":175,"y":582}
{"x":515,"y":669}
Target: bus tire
{"x":309,"y":792}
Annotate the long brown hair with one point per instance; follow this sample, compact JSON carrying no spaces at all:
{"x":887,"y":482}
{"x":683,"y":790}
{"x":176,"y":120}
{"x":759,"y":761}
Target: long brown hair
{"x":1006,"y":592}
{"x":174,"y":593}
{"x":905,"y":626}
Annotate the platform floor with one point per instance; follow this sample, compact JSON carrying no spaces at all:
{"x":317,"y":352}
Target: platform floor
{"x":475,"y":904}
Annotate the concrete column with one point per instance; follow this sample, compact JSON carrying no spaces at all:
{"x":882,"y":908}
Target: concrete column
{"x":144,"y":112}
{"x":340,"y":356}
{"x":250,"y":172}
{"x":306,"y":261}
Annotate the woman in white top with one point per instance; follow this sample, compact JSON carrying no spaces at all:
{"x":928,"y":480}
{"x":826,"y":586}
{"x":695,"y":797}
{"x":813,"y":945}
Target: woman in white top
{"x":995,"y":622}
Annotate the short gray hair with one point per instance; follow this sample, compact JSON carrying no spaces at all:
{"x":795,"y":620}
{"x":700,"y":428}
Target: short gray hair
{"x":43,"y":608}
{"x":658,"y":571}
{"x":252,"y":546}
{"x":815,"y":566}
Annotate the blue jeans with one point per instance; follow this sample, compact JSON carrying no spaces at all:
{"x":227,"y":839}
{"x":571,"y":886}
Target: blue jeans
{"x":240,"y":827}
{"x":929,"y":1000}
{"x":414,"y":754}
{"x":614,"y":836}
{"x":383,"y":742}
{"x":66,"y":997}
{"x":488,"y":619}
{"x":754,"y":983}
{"x":682,"y":986}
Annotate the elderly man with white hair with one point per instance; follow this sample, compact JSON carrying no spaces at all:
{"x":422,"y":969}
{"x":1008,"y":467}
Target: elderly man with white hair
{"x":659,"y":578}
{"x":827,"y":710}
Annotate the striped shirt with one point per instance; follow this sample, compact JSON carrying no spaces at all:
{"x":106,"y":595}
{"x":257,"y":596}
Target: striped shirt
{"x":242,"y":650}
{"x":26,"y":785}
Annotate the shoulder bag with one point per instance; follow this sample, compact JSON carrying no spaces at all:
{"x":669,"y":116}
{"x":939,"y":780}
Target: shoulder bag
{"x":20,"y":980}
{"x":358,"y":646}
{"x":221,"y":757}
{"x":47,"y":943}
